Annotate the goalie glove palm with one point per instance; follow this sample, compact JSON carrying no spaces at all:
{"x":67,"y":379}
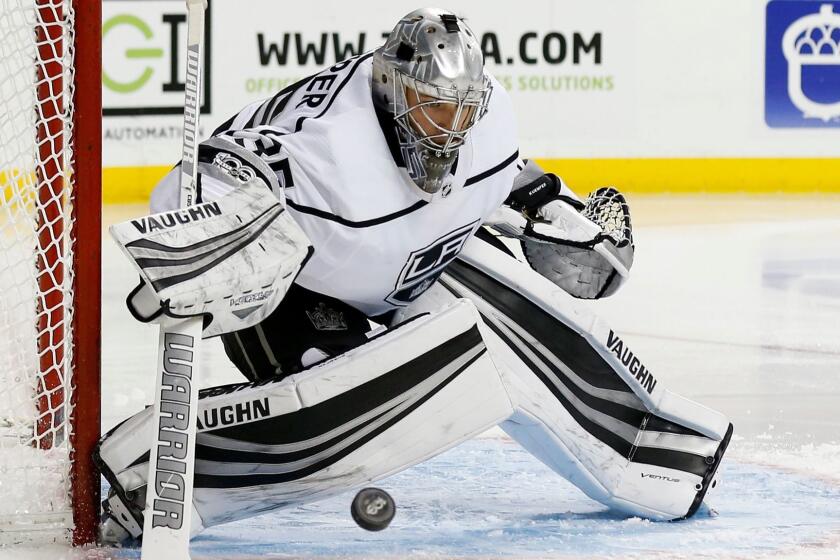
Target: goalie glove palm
{"x":588,"y":253}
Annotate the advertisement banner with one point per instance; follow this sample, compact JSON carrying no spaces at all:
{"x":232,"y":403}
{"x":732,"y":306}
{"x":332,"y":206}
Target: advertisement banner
{"x":663,"y":94}
{"x":561,"y":68}
{"x":802,"y":79}
{"x":143,"y":46}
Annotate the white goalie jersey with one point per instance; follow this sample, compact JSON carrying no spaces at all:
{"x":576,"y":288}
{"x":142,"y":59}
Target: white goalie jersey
{"x":378,"y":243}
{"x":479,"y":338}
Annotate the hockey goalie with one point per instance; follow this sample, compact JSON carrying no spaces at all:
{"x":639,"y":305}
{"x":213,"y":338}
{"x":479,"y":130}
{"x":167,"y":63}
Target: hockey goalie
{"x":412,"y":325}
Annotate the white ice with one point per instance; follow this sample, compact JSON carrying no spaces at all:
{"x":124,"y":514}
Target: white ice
{"x":734,"y":302}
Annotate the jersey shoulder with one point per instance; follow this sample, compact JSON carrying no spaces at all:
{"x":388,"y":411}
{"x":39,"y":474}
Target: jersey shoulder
{"x":495,"y":136}
{"x":332,"y":90}
{"x":337,"y":149}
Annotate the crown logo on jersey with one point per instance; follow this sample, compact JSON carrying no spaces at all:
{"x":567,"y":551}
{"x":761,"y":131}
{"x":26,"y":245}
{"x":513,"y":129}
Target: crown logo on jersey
{"x":325,"y":319}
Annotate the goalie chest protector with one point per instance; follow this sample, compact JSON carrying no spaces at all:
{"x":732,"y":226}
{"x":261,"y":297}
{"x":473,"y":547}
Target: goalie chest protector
{"x":378,"y":243}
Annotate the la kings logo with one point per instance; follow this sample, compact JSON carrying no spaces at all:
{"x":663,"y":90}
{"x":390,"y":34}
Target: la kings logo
{"x":426,"y":264}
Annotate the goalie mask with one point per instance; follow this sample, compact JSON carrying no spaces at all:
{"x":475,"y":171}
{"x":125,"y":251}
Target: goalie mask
{"x":430,"y":76}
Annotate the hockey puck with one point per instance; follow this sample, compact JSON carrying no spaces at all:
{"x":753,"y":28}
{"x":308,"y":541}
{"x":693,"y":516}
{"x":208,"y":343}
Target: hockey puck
{"x":373,"y":509}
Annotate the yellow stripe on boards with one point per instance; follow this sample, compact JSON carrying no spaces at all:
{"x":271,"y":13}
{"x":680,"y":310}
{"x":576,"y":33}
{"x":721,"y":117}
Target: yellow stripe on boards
{"x":130,"y":185}
{"x":124,"y":185}
{"x":700,"y":175}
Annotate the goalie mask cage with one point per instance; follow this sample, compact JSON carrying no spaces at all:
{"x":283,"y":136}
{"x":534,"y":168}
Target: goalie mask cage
{"x":50,"y":129}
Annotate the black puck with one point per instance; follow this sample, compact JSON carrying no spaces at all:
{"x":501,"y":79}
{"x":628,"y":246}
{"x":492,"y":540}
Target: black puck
{"x":373,"y":509}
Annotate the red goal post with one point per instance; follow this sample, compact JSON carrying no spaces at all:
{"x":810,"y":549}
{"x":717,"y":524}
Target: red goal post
{"x":50,"y":231}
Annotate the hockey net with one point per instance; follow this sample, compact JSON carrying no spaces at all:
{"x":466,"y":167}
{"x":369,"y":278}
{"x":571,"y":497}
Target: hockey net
{"x":49,"y":246}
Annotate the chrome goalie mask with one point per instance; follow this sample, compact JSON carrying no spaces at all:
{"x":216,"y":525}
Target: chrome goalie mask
{"x":429,"y":75}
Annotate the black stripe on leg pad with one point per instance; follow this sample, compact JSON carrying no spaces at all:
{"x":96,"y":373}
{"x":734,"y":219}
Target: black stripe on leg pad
{"x":559,"y":339}
{"x":667,"y":458}
{"x":710,"y":473}
{"x":523,"y":310}
{"x":203,"y":480}
{"x":323,"y":417}
{"x":553,"y":334}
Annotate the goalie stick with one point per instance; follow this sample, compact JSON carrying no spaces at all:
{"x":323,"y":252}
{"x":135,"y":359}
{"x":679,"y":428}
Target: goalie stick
{"x":168,"y":512}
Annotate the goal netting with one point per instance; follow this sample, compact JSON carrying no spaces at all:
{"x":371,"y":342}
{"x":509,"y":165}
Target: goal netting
{"x":41,"y":236}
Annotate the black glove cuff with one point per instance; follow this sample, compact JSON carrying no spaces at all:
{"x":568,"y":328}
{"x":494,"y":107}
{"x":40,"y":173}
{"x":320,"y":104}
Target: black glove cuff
{"x":539,"y":192}
{"x":536,"y":193}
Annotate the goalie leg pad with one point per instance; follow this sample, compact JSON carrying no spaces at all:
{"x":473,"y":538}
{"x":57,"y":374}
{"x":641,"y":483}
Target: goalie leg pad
{"x":585,"y":404}
{"x":401,"y":398}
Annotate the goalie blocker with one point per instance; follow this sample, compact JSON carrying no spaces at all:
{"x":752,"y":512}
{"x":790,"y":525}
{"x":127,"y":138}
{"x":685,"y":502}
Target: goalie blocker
{"x":553,"y":376}
{"x":225,"y":265}
{"x":230,"y":261}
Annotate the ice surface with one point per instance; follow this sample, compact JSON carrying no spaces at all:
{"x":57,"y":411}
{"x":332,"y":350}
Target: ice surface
{"x":490,"y":498}
{"x":742,"y":315}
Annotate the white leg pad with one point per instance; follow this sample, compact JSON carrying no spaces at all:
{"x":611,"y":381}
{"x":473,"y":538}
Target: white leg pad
{"x":585,"y":404}
{"x":405,"y":396}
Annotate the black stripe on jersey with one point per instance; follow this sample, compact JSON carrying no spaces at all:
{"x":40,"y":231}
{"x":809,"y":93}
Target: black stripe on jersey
{"x":350,"y":223}
{"x":394,"y":215}
{"x":343,"y":83}
{"x":258,"y":115}
{"x":493,"y":170}
{"x":288,"y":91}
{"x":257,"y":141}
{"x":228,"y":124}
{"x":284,"y":172}
{"x":225,"y":126}
{"x":270,"y":146}
{"x":266,"y":112}
{"x":274,"y":106}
